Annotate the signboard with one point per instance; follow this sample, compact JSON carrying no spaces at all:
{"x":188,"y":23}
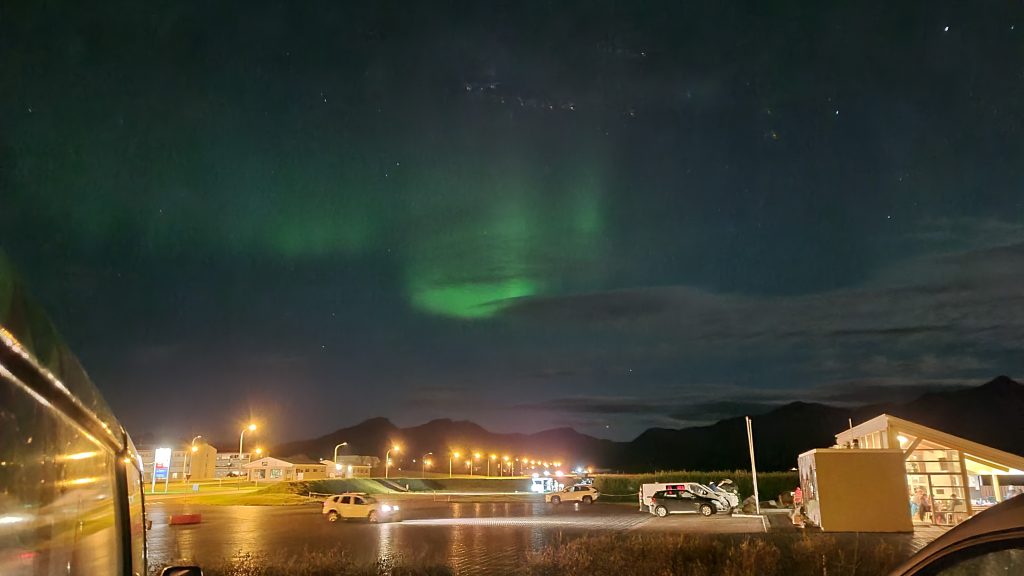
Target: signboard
{"x":161,"y":462}
{"x":163,"y":457}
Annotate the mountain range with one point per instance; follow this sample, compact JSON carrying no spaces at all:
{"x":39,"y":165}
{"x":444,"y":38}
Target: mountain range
{"x":991,"y":414}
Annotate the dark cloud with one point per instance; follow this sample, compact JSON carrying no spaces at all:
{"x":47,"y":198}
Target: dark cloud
{"x":966,"y":297}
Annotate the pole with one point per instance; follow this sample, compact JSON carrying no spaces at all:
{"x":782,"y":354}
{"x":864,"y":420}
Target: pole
{"x":191,"y":457}
{"x":387,"y":463}
{"x":336,"y":451}
{"x":152,"y":489}
{"x":753,"y":465}
{"x":240,"y":438}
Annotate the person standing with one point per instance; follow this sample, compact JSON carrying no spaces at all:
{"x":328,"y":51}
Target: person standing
{"x":920,"y":501}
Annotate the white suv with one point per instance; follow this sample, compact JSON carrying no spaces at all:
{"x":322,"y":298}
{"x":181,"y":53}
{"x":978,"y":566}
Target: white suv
{"x":579,"y":493}
{"x":358,"y":505}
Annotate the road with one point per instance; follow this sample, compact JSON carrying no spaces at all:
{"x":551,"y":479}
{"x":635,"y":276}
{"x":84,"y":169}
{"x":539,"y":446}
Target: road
{"x":470,"y":538}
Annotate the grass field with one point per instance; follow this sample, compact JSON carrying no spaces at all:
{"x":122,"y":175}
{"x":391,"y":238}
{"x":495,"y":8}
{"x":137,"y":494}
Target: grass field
{"x":615,"y":487}
{"x":179,"y":487}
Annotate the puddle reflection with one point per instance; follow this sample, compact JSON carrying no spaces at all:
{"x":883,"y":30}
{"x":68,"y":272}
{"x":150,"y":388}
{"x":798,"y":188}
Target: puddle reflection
{"x":469,"y":538}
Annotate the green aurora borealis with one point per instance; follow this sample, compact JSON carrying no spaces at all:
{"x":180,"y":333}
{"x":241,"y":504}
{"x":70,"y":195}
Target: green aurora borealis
{"x":620,"y":214}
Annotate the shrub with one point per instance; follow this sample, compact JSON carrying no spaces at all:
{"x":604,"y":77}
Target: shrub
{"x":706,"y":555}
{"x":770,"y":484}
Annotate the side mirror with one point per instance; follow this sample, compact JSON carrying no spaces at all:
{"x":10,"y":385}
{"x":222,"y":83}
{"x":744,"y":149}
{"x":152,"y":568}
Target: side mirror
{"x":182,"y":571}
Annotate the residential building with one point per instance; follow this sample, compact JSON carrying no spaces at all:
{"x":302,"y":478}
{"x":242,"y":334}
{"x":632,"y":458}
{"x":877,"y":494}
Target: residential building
{"x":351,"y":466}
{"x":278,"y":470}
{"x":231,"y":464}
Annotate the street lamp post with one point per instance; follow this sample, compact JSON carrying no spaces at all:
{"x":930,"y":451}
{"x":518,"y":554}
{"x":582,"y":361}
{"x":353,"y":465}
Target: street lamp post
{"x":241,"y":438}
{"x":190,"y":456}
{"x":451,"y":456}
{"x":387,"y":460}
{"x":476,"y":456}
{"x":336,"y":451}
{"x":425,"y":462}
{"x":505,"y":458}
{"x":258,"y":451}
{"x":492,"y":459}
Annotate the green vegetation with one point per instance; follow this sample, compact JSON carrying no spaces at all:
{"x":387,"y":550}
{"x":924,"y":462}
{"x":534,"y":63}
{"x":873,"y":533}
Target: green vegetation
{"x":258,"y":498}
{"x":618,"y":554}
{"x":179,"y":487}
{"x":656,"y":554}
{"x":770,"y":484}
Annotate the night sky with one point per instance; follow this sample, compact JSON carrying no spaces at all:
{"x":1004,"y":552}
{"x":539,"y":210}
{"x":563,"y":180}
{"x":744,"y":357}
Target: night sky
{"x":605,"y":215}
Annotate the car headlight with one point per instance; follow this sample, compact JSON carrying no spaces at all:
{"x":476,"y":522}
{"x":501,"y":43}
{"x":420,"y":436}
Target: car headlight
{"x":385,"y":508}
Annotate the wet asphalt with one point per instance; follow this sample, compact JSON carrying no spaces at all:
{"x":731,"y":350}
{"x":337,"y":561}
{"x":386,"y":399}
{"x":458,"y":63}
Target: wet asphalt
{"x":468,"y":537}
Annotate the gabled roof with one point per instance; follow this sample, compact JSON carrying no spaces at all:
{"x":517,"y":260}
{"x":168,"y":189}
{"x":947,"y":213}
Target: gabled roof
{"x":279,"y":463}
{"x":969,"y":448}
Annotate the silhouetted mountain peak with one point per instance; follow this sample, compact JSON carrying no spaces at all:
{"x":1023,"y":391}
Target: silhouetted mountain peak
{"x":989,"y":414}
{"x":1002,"y":384}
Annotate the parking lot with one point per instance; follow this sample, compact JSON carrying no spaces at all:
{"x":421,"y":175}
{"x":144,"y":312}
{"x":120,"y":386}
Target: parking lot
{"x":461,"y":535}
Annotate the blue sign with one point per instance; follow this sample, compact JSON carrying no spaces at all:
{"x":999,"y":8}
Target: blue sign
{"x":160,"y":473}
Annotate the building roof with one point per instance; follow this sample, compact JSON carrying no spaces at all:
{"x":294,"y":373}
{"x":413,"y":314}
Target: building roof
{"x":986,"y":454}
{"x":280,"y":463}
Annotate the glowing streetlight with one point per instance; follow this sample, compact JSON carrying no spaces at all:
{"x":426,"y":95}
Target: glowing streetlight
{"x":476,"y":456}
{"x":387,"y":459}
{"x":493,"y":458}
{"x":258,"y":451}
{"x":505,"y":458}
{"x":336,"y":451}
{"x":190,"y":456}
{"x":452,"y":456}
{"x":426,"y":463}
{"x":241,"y":437}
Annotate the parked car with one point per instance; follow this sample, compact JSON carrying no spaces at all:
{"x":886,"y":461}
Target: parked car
{"x":667,"y":502}
{"x":584,"y":493}
{"x":725,"y":500}
{"x":358,"y":505}
{"x":991,"y":542}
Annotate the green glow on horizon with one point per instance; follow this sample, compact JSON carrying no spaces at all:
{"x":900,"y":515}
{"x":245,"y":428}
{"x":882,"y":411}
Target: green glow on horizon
{"x":519,"y":234}
{"x":479,"y":300}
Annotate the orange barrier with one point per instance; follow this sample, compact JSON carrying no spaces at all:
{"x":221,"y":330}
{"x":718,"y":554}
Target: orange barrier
{"x":177,"y":519}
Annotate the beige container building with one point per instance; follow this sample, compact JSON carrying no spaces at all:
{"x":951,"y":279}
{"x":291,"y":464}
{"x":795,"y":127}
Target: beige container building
{"x":855,"y":490}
